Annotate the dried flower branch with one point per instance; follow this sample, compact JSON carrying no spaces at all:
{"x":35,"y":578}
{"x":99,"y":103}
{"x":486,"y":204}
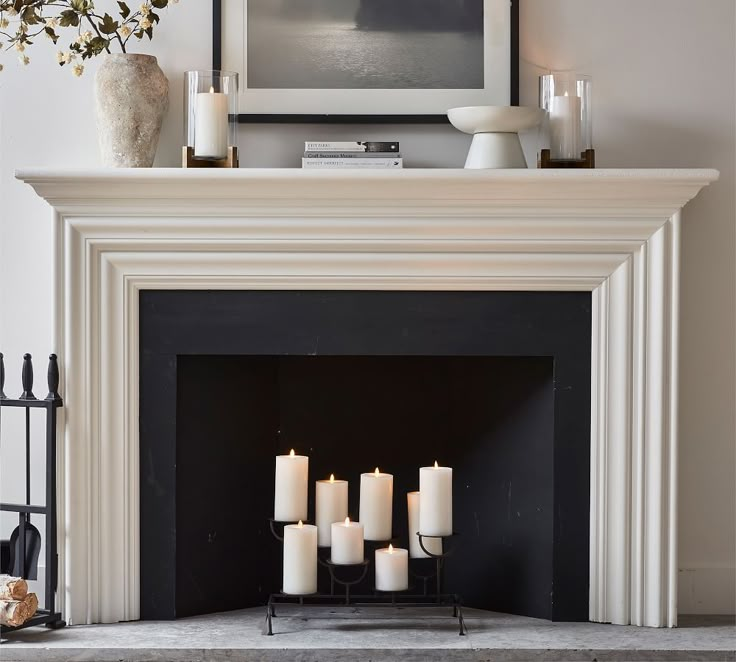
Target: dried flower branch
{"x":21,"y":21}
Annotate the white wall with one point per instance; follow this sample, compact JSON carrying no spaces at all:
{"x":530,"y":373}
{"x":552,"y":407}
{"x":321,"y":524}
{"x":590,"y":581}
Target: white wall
{"x":664,"y":84}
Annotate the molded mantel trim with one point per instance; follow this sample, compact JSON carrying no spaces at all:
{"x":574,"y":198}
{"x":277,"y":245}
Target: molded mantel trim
{"x":621,"y":192}
{"x":614,"y":233}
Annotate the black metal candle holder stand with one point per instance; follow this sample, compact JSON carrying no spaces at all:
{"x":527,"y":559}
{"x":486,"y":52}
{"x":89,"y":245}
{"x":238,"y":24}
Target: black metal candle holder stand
{"x":439,"y":560}
{"x":333,"y":569}
{"x":345,"y":598}
{"x":280,"y":536}
{"x":24,"y":561}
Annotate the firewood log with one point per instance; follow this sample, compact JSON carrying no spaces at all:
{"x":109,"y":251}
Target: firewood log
{"x":13,"y":612}
{"x":31,"y":602}
{"x":17,"y":612}
{"x":12,"y":588}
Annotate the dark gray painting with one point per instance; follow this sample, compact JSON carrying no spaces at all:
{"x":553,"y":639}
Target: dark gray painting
{"x":365,"y":44}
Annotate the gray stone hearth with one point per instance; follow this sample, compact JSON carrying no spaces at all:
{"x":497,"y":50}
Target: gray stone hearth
{"x":328,"y":635}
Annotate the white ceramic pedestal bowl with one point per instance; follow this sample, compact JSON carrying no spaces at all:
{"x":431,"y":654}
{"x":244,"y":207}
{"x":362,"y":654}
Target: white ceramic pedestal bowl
{"x":495,"y":131}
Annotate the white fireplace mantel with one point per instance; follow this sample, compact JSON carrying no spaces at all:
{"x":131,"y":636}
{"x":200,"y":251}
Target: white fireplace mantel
{"x":612,"y":232}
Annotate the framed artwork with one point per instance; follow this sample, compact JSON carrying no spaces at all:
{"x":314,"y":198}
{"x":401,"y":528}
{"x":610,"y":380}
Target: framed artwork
{"x":367,"y":60}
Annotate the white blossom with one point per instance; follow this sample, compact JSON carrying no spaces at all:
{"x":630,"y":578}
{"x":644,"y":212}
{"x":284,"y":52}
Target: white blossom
{"x":18,"y":35}
{"x":84,"y":38}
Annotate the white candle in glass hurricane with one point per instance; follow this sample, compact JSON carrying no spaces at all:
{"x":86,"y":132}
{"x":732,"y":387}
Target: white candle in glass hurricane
{"x":347,"y":543}
{"x":210,"y":125}
{"x":300,"y":559}
{"x":376,"y":504}
{"x":290,"y":497}
{"x":392,"y":569}
{"x":331,"y":505}
{"x":435,"y":501}
{"x":565,"y":127}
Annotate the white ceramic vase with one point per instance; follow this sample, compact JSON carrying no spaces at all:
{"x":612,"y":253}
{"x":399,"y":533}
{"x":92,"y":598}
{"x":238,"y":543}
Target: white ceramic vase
{"x":131,"y":99}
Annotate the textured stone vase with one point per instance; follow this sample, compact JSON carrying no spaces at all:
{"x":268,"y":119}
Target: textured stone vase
{"x":131,"y":99}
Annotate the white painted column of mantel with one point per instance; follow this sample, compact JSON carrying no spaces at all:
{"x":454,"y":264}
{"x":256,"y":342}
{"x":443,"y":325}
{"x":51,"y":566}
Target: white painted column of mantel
{"x":612,"y":232}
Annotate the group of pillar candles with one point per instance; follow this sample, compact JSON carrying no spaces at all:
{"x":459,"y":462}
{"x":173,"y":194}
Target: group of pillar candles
{"x":429,"y":511}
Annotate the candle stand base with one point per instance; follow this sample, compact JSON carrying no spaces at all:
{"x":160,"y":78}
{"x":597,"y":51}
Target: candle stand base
{"x":396,"y":601}
{"x":347,"y":576}
{"x":346,"y":584}
{"x":586,"y":160}
{"x":189,"y":161}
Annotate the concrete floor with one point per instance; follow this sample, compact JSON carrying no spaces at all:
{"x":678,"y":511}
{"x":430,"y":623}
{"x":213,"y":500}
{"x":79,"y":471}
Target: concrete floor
{"x":324,"y":635}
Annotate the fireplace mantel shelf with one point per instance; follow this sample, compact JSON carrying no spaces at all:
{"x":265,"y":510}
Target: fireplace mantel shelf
{"x":181,"y":191}
{"x":614,"y":233}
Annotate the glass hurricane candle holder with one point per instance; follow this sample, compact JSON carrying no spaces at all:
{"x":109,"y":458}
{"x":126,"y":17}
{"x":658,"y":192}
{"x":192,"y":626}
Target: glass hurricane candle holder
{"x":210,"y":116}
{"x":566,"y":97}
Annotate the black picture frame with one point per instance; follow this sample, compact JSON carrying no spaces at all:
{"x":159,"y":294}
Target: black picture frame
{"x":249,"y":118}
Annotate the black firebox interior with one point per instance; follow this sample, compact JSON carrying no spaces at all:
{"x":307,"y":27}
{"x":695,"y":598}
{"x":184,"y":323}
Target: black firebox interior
{"x":494,"y":384}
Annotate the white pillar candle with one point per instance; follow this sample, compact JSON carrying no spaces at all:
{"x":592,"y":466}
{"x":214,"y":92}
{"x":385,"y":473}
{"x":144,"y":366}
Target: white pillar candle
{"x":347,"y":543}
{"x":331,"y":505}
{"x":564,"y":127}
{"x":392,"y":569}
{"x":376,"y":503}
{"x":300,"y":559}
{"x":290,"y":500}
{"x":210,"y":125}
{"x":435,"y":501}
{"x":434,"y":545}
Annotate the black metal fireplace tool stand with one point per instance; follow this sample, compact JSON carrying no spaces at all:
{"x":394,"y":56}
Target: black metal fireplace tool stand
{"x":400,"y":599}
{"x":26,"y":539}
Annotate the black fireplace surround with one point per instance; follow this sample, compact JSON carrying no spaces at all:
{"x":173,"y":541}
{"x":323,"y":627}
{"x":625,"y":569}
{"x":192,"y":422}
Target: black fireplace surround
{"x":494,"y":384}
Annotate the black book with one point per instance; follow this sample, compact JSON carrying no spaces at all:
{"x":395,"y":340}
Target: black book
{"x":351,"y":155}
{"x":346,"y":146}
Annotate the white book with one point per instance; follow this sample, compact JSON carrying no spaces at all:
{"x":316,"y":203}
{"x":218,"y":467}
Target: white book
{"x":352,"y":163}
{"x":333,"y":147}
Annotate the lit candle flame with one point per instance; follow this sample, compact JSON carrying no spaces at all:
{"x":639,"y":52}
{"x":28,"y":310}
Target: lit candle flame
{"x":301,"y":524}
{"x":212,"y":90}
{"x":291,"y":453}
{"x":377,"y":472}
{"x":390,"y":549}
{"x":347,"y":521}
{"x":436,"y":466}
{"x":332,"y":478}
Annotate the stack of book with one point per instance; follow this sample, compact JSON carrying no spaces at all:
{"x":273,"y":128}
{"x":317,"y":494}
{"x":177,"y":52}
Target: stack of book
{"x":352,"y":155}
